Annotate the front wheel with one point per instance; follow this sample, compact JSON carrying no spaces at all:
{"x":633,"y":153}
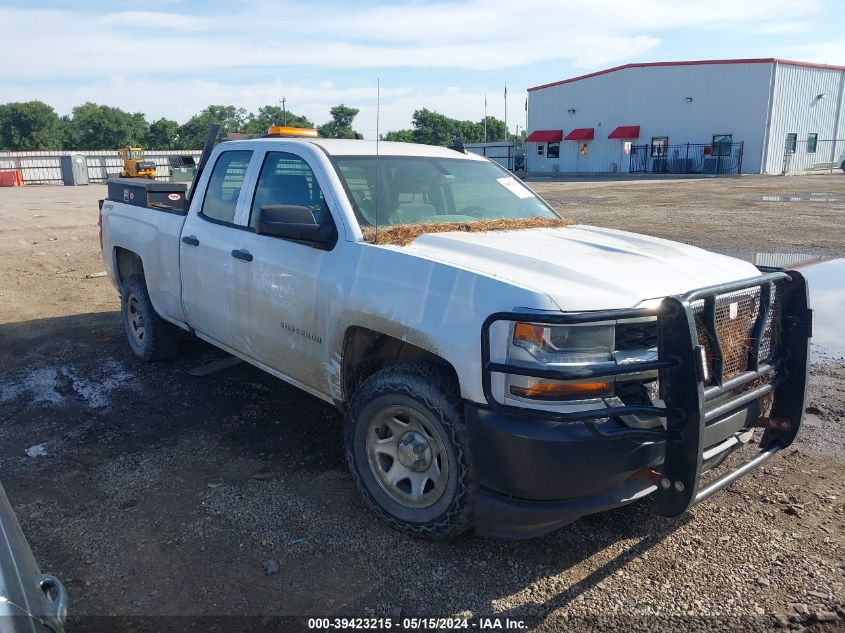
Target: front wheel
{"x":407,"y":449}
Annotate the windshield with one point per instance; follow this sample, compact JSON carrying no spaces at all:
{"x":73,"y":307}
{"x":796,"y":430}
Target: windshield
{"x":418,"y":190}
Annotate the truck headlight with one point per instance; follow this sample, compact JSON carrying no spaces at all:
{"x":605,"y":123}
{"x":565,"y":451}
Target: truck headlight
{"x":552,"y":345}
{"x":569,"y":344}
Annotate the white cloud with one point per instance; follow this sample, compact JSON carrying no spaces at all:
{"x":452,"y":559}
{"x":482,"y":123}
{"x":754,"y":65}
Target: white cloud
{"x":155,"y":97}
{"x":72,"y":45}
{"x":166,"y":62}
{"x":469,"y":34}
{"x":826,"y":52}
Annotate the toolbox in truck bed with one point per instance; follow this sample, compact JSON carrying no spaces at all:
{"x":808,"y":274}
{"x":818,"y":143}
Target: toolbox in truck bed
{"x":167,"y":196}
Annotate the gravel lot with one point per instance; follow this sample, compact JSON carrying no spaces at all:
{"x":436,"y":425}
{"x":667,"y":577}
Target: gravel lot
{"x":162,"y":493}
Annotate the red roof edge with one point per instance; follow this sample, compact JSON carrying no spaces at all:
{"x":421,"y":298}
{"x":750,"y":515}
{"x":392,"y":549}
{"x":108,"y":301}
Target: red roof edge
{"x":625,"y":132}
{"x":701,"y":62}
{"x":544,"y":136}
{"x":581,"y":134}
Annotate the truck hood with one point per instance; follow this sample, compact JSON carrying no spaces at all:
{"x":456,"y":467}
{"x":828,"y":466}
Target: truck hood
{"x":584,"y":267}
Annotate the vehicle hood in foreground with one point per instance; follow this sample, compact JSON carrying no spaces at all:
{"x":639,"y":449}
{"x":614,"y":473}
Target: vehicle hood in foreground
{"x":584,"y":267}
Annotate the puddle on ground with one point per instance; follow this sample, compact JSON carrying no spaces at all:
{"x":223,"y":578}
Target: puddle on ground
{"x":800,"y":197}
{"x":827,"y":299}
{"x":57,"y":383}
{"x":826,"y":279}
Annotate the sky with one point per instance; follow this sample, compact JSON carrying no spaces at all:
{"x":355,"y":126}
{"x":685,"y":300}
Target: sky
{"x":171,"y":58}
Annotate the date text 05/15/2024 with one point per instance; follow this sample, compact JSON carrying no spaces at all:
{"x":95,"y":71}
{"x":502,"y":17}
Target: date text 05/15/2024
{"x":421,"y":624}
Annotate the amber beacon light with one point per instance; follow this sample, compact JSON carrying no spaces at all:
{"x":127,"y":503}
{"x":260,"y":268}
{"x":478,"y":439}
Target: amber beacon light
{"x":292,"y":132}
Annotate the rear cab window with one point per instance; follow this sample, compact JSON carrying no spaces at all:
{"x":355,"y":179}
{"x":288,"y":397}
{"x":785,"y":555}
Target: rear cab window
{"x":224,"y":186}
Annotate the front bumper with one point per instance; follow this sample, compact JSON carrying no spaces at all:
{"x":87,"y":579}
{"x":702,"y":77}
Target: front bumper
{"x":540,"y":469}
{"x":539,"y":475}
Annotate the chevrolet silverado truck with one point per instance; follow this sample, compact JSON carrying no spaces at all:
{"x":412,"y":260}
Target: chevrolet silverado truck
{"x":497,"y":368}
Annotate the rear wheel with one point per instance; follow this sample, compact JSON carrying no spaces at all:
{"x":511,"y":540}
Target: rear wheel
{"x":406,"y":447}
{"x":150,"y":337}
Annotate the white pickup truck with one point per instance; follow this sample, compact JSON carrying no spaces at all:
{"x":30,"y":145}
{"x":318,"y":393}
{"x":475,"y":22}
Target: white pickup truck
{"x":493,"y":376}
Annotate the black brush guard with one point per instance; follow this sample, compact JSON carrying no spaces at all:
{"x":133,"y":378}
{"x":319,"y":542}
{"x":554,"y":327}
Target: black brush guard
{"x":690,"y":405}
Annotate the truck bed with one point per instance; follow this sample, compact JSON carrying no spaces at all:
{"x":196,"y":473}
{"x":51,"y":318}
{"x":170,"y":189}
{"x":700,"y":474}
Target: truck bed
{"x":152,"y":194}
{"x":145,"y":217}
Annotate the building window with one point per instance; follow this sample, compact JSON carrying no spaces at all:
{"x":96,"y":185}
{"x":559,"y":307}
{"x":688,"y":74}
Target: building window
{"x":540,"y":149}
{"x":791,"y":142}
{"x":722,"y":144}
{"x":554,"y":150}
{"x":659,"y":145}
{"x":812,"y":141}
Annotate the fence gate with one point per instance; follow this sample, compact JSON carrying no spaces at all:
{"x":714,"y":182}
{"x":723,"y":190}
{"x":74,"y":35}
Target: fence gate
{"x":813,"y":155}
{"x":687,"y":158}
{"x":502,"y":153}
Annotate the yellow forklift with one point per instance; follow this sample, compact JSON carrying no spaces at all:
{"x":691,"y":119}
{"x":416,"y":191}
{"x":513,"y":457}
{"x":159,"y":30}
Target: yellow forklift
{"x":134,"y":165}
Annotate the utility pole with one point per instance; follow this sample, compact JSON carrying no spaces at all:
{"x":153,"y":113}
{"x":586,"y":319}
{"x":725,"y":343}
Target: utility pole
{"x":284,"y":111}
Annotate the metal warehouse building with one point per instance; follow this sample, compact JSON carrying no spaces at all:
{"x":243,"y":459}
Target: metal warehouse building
{"x":712,"y":116}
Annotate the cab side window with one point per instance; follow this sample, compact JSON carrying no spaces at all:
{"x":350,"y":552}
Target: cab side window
{"x":287,"y":179}
{"x":224,"y":186}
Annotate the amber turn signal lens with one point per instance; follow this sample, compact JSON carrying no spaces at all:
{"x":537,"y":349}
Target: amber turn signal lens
{"x":562,"y":391}
{"x":528,"y":333}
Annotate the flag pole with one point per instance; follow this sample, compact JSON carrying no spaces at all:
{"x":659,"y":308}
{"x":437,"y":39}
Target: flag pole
{"x":485,"y":117}
{"x":507,"y":134}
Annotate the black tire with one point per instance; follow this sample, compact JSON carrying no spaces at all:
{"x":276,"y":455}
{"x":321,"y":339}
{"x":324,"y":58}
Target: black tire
{"x":154,"y":339}
{"x":430,"y":393}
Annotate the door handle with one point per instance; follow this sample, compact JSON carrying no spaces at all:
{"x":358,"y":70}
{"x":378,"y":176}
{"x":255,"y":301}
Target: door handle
{"x":190,"y":240}
{"x":242,"y":254}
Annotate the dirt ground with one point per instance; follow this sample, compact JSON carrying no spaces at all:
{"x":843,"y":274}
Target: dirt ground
{"x":159,"y":493}
{"x":724,"y":215}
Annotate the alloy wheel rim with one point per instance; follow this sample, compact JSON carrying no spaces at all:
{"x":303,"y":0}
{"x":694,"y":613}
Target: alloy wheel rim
{"x":136,"y":319}
{"x":407,"y":456}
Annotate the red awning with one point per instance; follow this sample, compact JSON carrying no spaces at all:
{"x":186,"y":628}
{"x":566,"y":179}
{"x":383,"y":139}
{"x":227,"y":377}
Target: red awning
{"x":626,"y":131}
{"x":544,"y":136}
{"x":580,"y":134}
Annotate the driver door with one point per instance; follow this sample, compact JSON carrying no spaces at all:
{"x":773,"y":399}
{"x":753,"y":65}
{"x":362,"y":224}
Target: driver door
{"x":281,"y":300}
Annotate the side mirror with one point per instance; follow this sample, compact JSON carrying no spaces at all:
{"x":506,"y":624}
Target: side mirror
{"x":295,"y":222}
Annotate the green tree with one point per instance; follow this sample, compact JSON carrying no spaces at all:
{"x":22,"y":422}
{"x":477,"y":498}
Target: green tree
{"x":32,"y":125}
{"x":66,"y":131}
{"x":402,"y":136}
{"x":94,"y":126}
{"x":163,"y":134}
{"x":496,"y":130}
{"x":192,"y":133}
{"x":273,"y":115}
{"x":341,"y":124}
{"x":433,"y":128}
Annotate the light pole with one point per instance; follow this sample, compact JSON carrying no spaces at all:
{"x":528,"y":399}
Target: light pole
{"x":284,"y":111}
